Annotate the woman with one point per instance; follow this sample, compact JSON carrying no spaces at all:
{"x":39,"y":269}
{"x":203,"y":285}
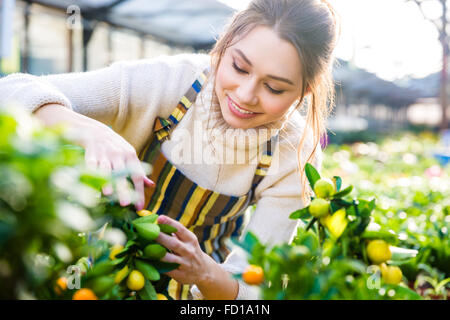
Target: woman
{"x":228,"y":143}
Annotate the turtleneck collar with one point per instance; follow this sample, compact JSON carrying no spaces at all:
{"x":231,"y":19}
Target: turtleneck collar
{"x":219,"y":131}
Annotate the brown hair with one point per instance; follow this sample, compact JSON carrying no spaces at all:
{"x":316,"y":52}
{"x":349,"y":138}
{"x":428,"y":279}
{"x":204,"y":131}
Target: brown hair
{"x":311,"y":26}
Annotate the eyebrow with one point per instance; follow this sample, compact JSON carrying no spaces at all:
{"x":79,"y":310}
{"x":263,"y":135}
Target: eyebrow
{"x":269,"y":75}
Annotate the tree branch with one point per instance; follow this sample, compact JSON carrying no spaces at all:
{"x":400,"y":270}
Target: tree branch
{"x":433,"y":21}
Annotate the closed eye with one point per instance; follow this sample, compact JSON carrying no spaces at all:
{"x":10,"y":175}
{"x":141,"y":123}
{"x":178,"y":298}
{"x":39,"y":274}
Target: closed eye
{"x":238,"y":69}
{"x":268,"y":87}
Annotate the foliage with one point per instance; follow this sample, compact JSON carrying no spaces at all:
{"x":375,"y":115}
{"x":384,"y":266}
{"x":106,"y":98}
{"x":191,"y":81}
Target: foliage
{"x":408,"y":208}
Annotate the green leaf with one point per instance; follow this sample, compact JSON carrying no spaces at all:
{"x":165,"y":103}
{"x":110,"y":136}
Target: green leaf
{"x":407,"y":293}
{"x":164,"y":267}
{"x":343,"y":193}
{"x":300,"y":214}
{"x":311,"y":174}
{"x":96,"y":182}
{"x":148,"y":292}
{"x":362,"y":225}
{"x":338,"y":182}
{"x":383,"y":235}
{"x":146,"y":219}
{"x":365,"y":207}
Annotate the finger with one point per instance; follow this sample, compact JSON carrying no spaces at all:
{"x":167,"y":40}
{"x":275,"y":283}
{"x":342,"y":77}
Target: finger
{"x":105,"y":169}
{"x":123,"y":191}
{"x":137,"y":176}
{"x":172,"y":243}
{"x":182,"y":232}
{"x":172,"y":258}
{"x":90,"y":159}
{"x":149,"y":182}
{"x":138,"y":182}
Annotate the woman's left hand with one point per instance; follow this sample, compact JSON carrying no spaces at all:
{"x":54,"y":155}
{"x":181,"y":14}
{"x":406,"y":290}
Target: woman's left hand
{"x":195,"y":265}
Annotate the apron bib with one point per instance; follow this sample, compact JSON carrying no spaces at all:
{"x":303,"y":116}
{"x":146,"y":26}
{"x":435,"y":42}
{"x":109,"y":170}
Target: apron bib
{"x":213,"y":217}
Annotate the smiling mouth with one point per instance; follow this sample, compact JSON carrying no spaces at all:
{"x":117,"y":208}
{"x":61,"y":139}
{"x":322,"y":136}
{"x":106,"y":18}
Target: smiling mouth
{"x":240,"y":110}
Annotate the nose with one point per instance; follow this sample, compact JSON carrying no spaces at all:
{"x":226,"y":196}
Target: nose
{"x":246,"y":93}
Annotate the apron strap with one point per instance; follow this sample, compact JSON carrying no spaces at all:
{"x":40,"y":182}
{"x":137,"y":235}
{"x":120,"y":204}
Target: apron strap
{"x":163,"y":127}
{"x":264,"y":164}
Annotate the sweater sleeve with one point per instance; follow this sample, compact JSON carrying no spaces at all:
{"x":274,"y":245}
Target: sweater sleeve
{"x":278,"y":195}
{"x":127,"y":95}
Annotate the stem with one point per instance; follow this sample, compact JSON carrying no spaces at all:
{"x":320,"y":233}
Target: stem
{"x":310,"y":224}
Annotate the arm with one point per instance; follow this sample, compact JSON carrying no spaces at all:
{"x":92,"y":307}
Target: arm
{"x":278,"y":195}
{"x":127,"y":95}
{"x":81,"y":126}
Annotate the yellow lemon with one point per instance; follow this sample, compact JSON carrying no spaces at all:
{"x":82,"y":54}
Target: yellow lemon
{"x":121,"y":274}
{"x":378,"y":251}
{"x":319,"y":208}
{"x":324,"y":188}
{"x":135,"y":281}
{"x":336,"y":223}
{"x":391,"y":274}
{"x":160,"y":296}
{"x":115,"y":250}
{"x":144,"y":213}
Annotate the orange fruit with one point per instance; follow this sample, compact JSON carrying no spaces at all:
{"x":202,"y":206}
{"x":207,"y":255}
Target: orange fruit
{"x":84,"y":294}
{"x":253,"y":275}
{"x":61,"y":285}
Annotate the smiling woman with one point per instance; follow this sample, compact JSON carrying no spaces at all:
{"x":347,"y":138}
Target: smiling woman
{"x":244,"y":97}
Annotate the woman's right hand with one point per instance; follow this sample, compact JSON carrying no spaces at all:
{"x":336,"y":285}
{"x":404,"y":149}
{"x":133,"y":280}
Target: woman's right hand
{"x":107,"y":151}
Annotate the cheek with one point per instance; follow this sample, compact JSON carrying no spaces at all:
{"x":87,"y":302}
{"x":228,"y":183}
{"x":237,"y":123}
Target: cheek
{"x":225,"y":77}
{"x":276,"y":107}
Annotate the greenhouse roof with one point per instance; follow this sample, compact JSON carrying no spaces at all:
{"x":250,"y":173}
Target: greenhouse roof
{"x":195,"y":23}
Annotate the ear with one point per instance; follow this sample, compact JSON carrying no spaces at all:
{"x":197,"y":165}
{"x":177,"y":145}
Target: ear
{"x":308,"y":90}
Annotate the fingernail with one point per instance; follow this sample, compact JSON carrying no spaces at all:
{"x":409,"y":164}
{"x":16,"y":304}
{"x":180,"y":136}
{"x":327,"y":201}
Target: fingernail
{"x":124,"y":202}
{"x":140,"y":206}
{"x":150,"y":182}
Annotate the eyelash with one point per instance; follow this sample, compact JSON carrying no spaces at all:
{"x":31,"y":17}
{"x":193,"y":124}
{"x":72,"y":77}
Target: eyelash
{"x":242,"y":71}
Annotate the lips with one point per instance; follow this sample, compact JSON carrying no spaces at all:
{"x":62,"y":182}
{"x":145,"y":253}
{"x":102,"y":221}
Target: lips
{"x":234,"y":108}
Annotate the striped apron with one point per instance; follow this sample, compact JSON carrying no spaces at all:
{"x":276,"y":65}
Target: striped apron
{"x":213,"y":217}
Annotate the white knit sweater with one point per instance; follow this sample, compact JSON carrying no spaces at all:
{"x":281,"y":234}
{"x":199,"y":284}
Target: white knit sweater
{"x":129,"y":95}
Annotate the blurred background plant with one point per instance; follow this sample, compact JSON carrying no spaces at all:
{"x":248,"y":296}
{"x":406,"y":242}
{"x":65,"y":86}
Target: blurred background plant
{"x":50,"y":206}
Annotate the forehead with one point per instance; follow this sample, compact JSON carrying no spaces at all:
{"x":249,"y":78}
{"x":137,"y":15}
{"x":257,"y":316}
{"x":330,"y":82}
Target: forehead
{"x":268,"y":53}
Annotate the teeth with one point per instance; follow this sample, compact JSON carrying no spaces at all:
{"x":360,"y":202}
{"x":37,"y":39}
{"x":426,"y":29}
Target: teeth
{"x":239,"y":109}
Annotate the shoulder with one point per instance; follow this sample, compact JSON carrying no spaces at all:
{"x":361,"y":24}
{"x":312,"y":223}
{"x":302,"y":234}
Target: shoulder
{"x":159,"y":83}
{"x":190,"y":63}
